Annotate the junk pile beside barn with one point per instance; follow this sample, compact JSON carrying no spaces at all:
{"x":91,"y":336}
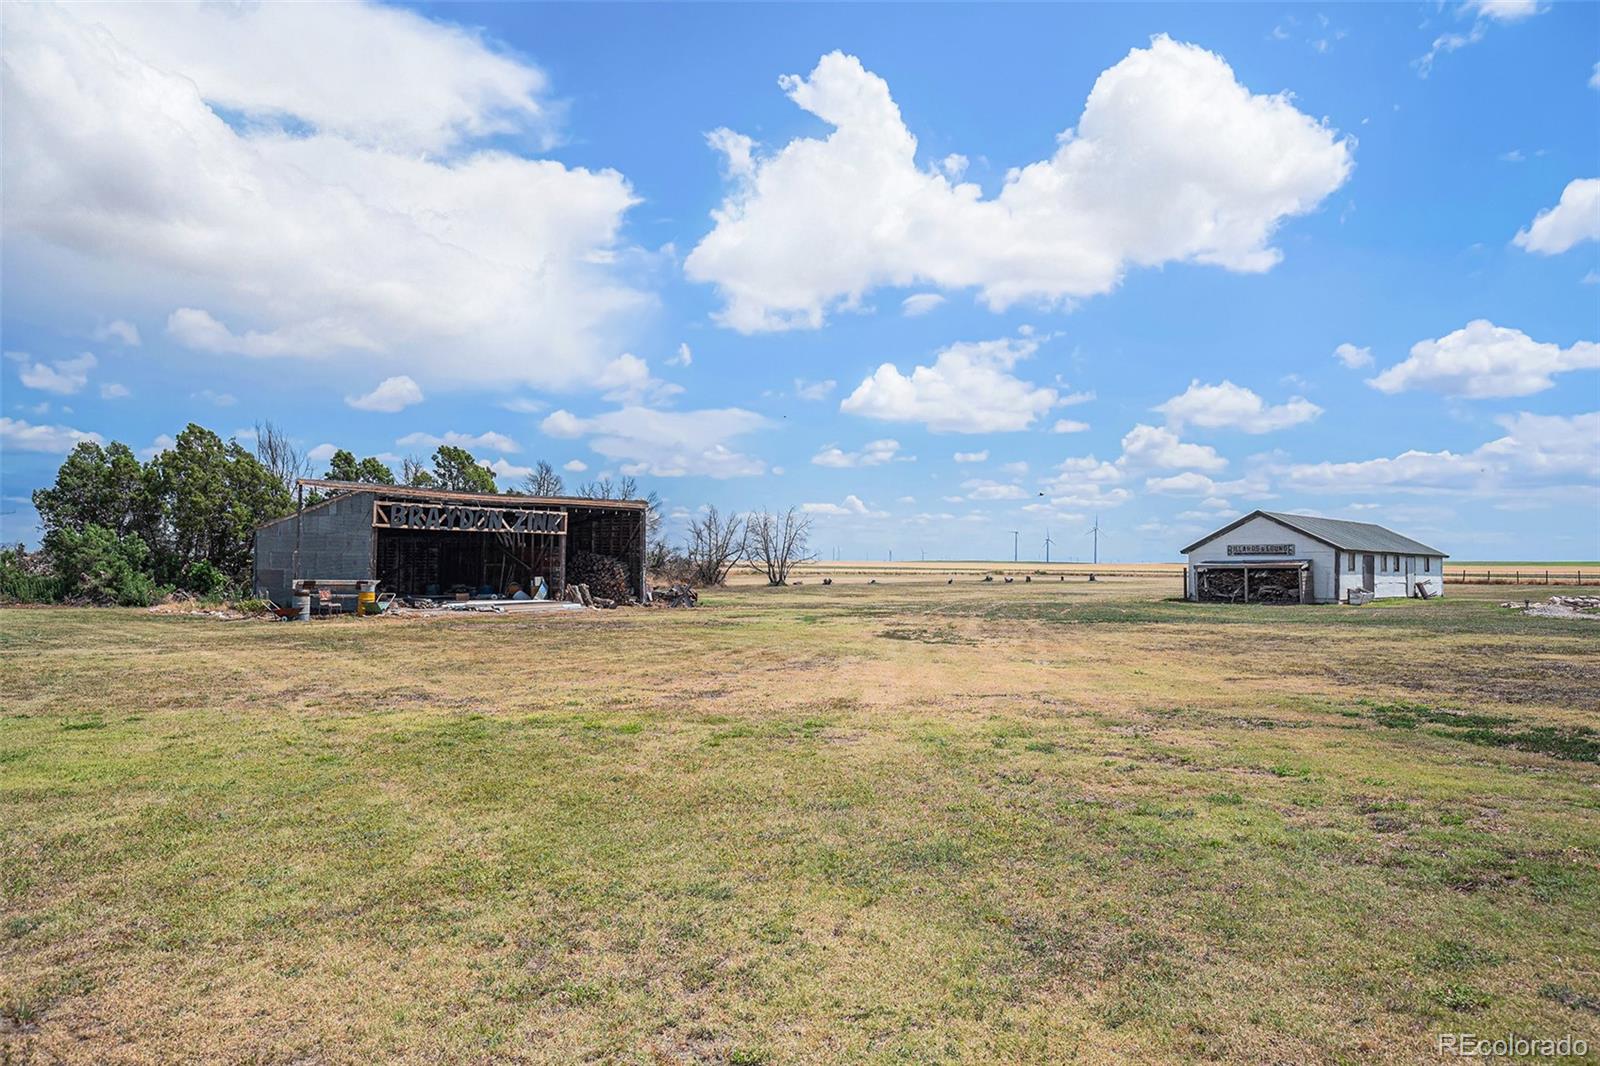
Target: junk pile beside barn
{"x":1586,"y":607}
{"x":680,"y":594}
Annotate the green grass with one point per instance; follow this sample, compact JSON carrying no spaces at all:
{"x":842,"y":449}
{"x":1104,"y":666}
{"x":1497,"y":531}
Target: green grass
{"x":894,"y":823}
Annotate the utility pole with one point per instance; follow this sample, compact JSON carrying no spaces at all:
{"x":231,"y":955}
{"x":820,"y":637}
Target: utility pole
{"x":1095,"y":529}
{"x":1047,"y":543}
{"x":1015,"y":534}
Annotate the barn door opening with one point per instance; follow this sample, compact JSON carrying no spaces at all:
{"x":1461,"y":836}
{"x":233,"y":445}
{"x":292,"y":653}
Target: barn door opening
{"x":1368,"y":572}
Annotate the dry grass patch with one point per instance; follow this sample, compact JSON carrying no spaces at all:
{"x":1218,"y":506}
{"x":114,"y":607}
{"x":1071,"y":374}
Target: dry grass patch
{"x":907,"y":822}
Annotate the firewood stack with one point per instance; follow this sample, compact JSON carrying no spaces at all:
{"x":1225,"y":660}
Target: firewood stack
{"x":603,"y":576}
{"x":1266,"y":586}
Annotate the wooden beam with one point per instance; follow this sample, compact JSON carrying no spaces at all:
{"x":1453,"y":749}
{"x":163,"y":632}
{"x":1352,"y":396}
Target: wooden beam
{"x":467,"y":518}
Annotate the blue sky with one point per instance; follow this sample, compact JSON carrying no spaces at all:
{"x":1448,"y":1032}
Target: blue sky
{"x":933,"y":272}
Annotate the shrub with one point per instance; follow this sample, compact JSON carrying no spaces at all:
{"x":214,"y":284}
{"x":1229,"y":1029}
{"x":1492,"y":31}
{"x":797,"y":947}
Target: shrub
{"x":26,"y":577}
{"x":204,"y":579}
{"x":96,"y":565}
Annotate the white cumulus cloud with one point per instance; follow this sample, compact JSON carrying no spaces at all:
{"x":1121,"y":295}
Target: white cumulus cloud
{"x":814,"y":390}
{"x":873,"y":453}
{"x":392,"y":394}
{"x":1152,"y":446}
{"x":666,"y":443}
{"x":1575,"y":219}
{"x":351,"y":208}
{"x":60,"y":376}
{"x":1536,"y":449}
{"x":1482,"y":360}
{"x":22,"y":436}
{"x":1230,"y":406}
{"x":508,"y":471}
{"x":119,"y":330}
{"x":164,"y":442}
{"x":472,"y":442}
{"x":1353,"y":357}
{"x":853,"y":506}
{"x":986,"y":489}
{"x":1171,"y":160}
{"x":968,"y":389}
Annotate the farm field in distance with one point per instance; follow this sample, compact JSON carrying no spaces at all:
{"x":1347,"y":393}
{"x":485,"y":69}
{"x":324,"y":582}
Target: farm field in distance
{"x":905,"y":822}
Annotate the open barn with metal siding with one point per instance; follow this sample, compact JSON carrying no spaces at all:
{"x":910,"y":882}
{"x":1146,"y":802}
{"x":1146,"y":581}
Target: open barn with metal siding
{"x":428,"y":542}
{"x":1275,"y":557}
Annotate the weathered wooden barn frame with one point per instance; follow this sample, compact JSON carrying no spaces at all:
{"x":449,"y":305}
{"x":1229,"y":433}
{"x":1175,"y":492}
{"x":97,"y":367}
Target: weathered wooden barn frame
{"x":416,"y":541}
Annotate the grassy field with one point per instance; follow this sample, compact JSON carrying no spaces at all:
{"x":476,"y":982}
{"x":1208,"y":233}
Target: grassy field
{"x":911,"y":822}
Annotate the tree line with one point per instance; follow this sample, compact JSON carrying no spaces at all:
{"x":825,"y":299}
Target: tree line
{"x":118,"y":530}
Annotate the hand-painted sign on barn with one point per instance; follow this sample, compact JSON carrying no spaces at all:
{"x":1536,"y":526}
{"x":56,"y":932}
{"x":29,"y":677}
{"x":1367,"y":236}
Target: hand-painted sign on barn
{"x":467,"y":518}
{"x":1261,"y":549}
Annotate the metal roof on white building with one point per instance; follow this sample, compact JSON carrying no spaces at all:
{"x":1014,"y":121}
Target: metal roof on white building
{"x":1337,"y":532}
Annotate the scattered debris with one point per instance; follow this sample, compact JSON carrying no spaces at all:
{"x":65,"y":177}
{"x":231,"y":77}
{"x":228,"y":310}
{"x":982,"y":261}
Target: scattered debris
{"x":1585,"y":607}
{"x":827,"y":581}
{"x":679,"y":594}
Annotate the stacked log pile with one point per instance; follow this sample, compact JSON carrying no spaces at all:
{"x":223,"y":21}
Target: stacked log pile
{"x":602,"y":576}
{"x":1266,"y":586}
{"x":581,"y":593}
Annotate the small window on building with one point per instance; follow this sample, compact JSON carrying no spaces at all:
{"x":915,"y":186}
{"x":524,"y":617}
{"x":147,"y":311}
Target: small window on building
{"x":1427,"y":564}
{"x":1397,"y":564}
{"x":1350,"y":562}
{"x":1383,"y":564}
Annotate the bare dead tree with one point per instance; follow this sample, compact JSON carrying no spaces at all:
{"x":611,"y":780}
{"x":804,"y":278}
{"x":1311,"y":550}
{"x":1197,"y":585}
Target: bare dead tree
{"x":279,"y":455}
{"x":777,"y":542}
{"x":716,"y":544}
{"x":415,"y":473}
{"x":627,"y":488}
{"x":544,"y":481}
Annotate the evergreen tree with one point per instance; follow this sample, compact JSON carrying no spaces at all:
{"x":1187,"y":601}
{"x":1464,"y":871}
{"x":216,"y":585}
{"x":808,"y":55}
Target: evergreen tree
{"x":456,"y":470}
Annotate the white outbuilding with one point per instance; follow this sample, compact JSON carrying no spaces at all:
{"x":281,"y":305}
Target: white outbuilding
{"x":1273,"y":557}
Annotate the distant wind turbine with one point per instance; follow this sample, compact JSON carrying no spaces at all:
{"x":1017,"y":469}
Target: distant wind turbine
{"x":1095,"y":529}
